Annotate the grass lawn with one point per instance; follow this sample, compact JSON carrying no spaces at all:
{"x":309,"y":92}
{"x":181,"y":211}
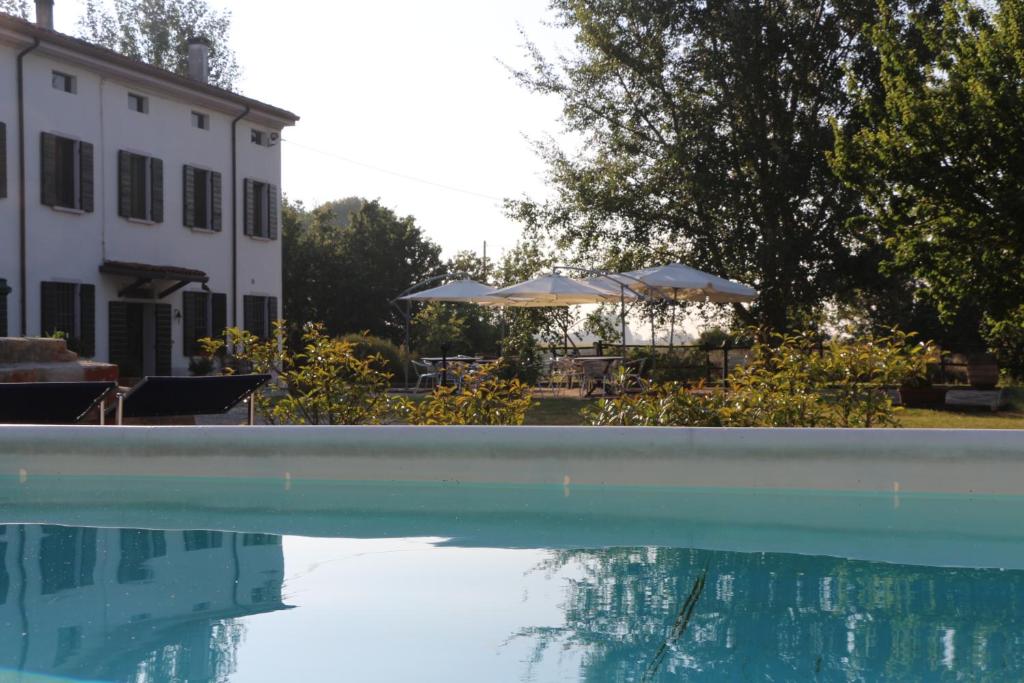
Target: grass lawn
{"x":566,"y":411}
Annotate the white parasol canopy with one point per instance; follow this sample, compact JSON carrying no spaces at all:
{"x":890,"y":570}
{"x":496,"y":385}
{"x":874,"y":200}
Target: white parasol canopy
{"x":682,"y":283}
{"x":457,"y":291}
{"x":553,"y":290}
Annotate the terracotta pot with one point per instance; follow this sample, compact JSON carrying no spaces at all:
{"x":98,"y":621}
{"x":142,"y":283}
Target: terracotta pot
{"x":982,"y":371}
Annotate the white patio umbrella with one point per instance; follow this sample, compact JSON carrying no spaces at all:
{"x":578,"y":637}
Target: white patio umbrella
{"x":457,"y":291}
{"x":676,"y":282}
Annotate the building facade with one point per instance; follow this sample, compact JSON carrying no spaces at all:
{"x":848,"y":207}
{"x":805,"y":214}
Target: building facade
{"x":139,"y":210}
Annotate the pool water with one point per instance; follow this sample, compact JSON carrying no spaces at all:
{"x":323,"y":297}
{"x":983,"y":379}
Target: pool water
{"x":202,"y":581}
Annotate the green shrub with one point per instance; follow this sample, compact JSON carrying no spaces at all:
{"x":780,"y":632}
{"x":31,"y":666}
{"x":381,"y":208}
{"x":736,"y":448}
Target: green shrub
{"x":789,"y":383}
{"x":689,"y":366}
{"x":326,"y":382}
{"x":393,"y":357}
{"x":483,"y":400}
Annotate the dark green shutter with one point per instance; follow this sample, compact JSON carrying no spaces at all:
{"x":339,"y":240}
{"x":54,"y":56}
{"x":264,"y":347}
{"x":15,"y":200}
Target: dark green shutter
{"x":250,"y":207}
{"x":216,"y":193}
{"x":250,"y":315}
{"x":219,"y":315}
{"x":51,"y":293}
{"x":4,"y":291}
{"x":272,"y":211}
{"x":87,"y":321}
{"x":124,"y":184}
{"x":156,"y":178}
{"x":87,"y":189}
{"x":189,"y":202}
{"x":194,"y":320}
{"x":117,"y":339}
{"x":163,"y":339}
{"x":271,"y":314}
{"x":48,"y":167}
{"x":3,"y":161}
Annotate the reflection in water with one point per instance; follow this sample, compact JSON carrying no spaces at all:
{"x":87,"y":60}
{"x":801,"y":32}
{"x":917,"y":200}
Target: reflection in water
{"x":132,"y":604}
{"x":782,"y":617}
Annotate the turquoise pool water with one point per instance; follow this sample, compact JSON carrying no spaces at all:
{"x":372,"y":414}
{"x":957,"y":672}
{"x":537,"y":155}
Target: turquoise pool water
{"x":174,"y":580}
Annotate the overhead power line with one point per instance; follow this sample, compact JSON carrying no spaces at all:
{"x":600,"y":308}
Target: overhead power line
{"x":404,"y":176}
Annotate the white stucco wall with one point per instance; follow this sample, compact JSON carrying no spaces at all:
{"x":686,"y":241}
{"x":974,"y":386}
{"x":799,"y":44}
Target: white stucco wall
{"x":70,"y":246}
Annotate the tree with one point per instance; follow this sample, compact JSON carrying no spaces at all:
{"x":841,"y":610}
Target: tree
{"x":939,"y":163}
{"x":704,"y":128}
{"x":346,"y":260}
{"x":157,"y":32}
{"x":17,"y":8}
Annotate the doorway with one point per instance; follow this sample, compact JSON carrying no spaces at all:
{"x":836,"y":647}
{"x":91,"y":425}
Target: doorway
{"x":140,"y":338}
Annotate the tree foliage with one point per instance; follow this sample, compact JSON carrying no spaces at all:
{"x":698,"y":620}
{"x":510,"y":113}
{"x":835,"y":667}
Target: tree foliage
{"x":483,"y":400}
{"x":17,"y":8}
{"x":157,"y":32}
{"x":704,"y":128}
{"x":939,"y":163}
{"x":346,"y":260}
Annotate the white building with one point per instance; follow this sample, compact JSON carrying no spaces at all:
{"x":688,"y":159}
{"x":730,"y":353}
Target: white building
{"x":139,"y":210}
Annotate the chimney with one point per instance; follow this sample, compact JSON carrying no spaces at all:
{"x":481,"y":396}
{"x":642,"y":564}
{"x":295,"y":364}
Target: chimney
{"x":44,"y":14}
{"x":199,"y":59}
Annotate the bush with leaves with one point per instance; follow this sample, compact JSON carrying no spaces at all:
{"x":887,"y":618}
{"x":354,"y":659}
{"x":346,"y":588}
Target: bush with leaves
{"x":483,"y":400}
{"x":790,"y":382}
{"x":326,"y":382}
{"x":393,"y":357}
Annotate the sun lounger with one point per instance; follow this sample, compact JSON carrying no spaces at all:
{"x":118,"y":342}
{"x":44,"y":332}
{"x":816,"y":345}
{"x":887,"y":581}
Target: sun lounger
{"x":50,"y":402}
{"x":183,"y":396}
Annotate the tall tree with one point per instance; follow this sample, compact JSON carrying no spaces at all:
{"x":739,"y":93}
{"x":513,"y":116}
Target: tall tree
{"x":346,"y":260}
{"x":940,"y":165}
{"x":157,"y":32}
{"x":18,"y":8}
{"x":704,"y":128}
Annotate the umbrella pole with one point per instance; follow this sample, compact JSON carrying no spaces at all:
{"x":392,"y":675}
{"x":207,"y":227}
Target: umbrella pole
{"x":405,"y":361}
{"x":622,"y":317}
{"x":672,"y":329}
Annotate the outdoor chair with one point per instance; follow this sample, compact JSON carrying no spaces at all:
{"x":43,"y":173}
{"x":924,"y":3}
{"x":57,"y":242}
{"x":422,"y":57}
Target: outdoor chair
{"x":564,"y":373}
{"x":627,"y":378}
{"x":425,"y":372}
{"x":51,"y":402}
{"x":186,"y":396}
{"x":591,"y":376}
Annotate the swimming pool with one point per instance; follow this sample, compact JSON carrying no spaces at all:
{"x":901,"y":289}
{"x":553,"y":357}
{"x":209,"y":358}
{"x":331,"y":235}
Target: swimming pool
{"x":133,"y":559}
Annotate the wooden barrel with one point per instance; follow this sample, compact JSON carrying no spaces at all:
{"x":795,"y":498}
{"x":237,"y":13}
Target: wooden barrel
{"x":982,"y":371}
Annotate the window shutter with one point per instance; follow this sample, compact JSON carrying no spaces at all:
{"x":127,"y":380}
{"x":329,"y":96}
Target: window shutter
{"x":156,"y":179}
{"x":4,"y":291}
{"x":271,"y":315}
{"x":215,"y":202}
{"x":3,"y":161}
{"x":87,"y":321}
{"x":48,"y":321}
{"x":117,"y":339}
{"x":273,"y":211}
{"x":124,"y":184}
{"x":188,"y":322}
{"x":48,"y":165}
{"x":163,"y":339}
{"x":189,"y":183}
{"x":250,"y":207}
{"x":85,"y":162}
{"x":219,"y":315}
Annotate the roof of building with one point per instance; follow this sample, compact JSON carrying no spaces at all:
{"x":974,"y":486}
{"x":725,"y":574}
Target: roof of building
{"x":85,"y":48}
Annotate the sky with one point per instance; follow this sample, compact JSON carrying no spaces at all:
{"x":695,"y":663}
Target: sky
{"x":404,"y":101}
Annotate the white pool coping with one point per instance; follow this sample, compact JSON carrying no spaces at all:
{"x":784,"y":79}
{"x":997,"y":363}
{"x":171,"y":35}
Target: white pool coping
{"x":890,"y":460}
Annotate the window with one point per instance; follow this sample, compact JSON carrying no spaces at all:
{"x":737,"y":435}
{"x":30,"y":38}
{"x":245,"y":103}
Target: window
{"x":4,"y":291}
{"x":64,"y":82}
{"x":204,"y":314}
{"x":200,"y":120}
{"x":260,"y":137}
{"x":140,"y":187}
{"x":202,"y":200}
{"x":203,"y":540}
{"x":67,"y":174}
{"x":70,"y":309}
{"x":138,"y":103}
{"x":261,"y":209}
{"x":138,"y":547}
{"x":259,"y":314}
{"x":67,"y":558}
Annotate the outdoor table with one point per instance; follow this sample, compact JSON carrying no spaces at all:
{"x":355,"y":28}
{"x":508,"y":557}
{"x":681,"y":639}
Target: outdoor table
{"x":605,"y":363}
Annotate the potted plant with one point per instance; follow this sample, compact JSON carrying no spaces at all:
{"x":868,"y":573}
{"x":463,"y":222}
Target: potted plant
{"x":982,"y":371}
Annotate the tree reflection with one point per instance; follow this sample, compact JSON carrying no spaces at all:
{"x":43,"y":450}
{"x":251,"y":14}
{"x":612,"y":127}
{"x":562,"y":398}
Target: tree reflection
{"x":783,"y":617}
